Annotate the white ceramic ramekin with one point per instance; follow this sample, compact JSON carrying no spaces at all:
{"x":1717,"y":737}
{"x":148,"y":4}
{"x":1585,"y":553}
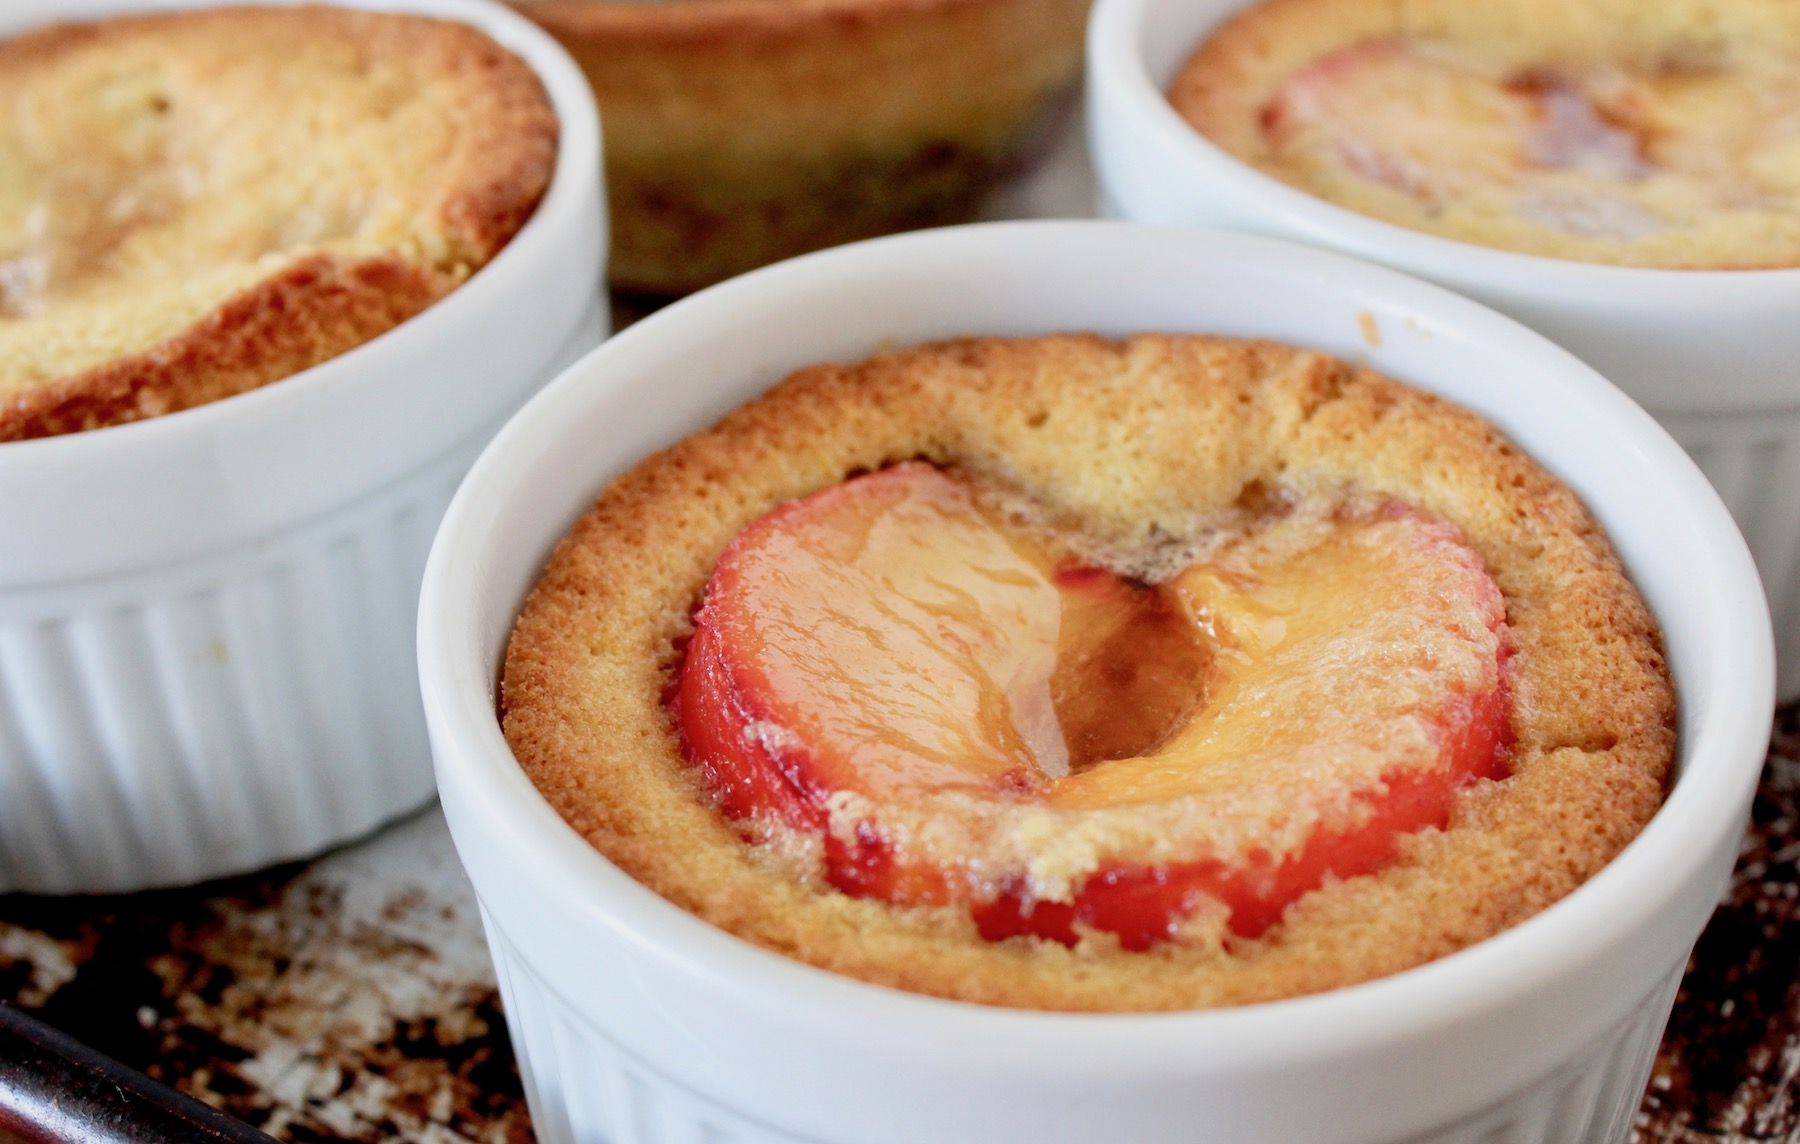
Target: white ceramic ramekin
{"x":636,"y":1022}
{"x":206,"y":619}
{"x":1711,"y":354}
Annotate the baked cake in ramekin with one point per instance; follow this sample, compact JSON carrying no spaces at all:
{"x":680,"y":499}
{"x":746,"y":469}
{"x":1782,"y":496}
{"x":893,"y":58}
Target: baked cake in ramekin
{"x":1169,"y":672}
{"x":207,"y":618}
{"x":1655,"y":133}
{"x":199,"y":203}
{"x":1544,"y":1031}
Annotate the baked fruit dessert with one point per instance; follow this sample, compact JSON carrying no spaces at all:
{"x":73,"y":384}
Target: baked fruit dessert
{"x":742,"y":132}
{"x":1070,"y":673}
{"x":1636,"y":132}
{"x":195,"y":204}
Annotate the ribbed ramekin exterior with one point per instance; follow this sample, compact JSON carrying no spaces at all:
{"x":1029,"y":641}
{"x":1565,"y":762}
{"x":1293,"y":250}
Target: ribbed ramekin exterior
{"x":1753,"y":461}
{"x":586,"y":1088}
{"x":258,"y":704}
{"x":253,"y":706}
{"x":583,"y":1087}
{"x":1591,"y":1098}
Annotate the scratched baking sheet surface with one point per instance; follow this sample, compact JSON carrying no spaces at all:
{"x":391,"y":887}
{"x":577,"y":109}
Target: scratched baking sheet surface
{"x":353,"y":1000}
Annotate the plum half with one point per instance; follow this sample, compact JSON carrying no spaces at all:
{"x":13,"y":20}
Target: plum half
{"x":948,"y":712}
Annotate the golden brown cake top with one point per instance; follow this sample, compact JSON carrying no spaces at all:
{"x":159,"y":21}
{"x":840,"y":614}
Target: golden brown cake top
{"x":245,"y":190}
{"x":1662,"y":133}
{"x":1148,"y":449}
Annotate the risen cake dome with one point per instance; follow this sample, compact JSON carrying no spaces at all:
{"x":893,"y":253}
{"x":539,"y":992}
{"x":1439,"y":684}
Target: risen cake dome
{"x":196,"y":204}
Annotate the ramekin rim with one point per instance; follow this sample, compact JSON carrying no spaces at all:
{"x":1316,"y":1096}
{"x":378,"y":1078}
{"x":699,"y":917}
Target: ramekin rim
{"x":577,"y":166}
{"x":1114,"y":60}
{"x":459,"y":703}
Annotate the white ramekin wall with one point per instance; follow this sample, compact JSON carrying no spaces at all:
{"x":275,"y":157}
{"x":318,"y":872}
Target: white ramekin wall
{"x":207,"y":619}
{"x":1710,"y":354}
{"x":637,"y":1023}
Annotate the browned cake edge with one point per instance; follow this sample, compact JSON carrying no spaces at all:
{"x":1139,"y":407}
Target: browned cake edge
{"x":309,"y":312}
